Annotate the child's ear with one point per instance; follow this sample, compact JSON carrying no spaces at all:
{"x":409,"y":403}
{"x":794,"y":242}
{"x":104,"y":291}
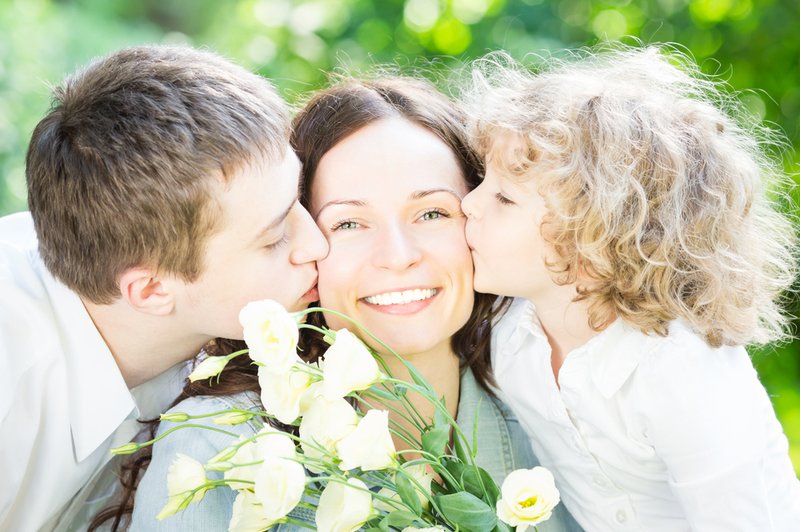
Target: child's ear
{"x":146,"y":292}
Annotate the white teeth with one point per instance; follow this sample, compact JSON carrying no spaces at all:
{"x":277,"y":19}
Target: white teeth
{"x":401,"y":298}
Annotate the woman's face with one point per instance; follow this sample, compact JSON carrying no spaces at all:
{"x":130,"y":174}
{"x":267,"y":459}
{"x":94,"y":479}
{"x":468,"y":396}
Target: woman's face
{"x":388,"y":199}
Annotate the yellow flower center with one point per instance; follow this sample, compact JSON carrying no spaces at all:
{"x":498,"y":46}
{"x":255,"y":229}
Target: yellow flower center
{"x":527,"y":503}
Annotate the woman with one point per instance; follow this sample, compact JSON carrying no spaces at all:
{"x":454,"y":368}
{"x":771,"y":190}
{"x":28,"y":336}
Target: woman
{"x":385,"y":165}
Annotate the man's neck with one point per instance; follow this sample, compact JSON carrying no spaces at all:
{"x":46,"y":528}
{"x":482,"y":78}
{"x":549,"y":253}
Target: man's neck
{"x":143,"y":346}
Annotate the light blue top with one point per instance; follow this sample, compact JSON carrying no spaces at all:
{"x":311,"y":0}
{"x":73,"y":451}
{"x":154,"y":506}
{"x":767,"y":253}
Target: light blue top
{"x":502,"y":448}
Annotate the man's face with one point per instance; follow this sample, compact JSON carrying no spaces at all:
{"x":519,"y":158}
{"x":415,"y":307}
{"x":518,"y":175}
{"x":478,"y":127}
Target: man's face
{"x":264,"y":247}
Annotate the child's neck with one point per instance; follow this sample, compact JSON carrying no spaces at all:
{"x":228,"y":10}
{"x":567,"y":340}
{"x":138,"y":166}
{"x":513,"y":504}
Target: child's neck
{"x":564,"y":321}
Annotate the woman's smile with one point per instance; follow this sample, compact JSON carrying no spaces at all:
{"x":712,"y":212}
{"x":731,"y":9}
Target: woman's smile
{"x":408,"y":301}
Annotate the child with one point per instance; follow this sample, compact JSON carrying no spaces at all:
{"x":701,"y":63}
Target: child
{"x":627,"y":212}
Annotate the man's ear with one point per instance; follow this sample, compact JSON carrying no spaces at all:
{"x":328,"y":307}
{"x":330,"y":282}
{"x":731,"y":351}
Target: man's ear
{"x":145,"y":292}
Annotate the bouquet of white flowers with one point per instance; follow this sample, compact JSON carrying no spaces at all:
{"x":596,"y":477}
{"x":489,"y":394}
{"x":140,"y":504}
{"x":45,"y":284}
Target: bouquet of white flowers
{"x":341,"y":460}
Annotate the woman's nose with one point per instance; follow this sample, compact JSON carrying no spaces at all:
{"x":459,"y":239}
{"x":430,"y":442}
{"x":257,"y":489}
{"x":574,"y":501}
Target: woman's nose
{"x":397,"y":248}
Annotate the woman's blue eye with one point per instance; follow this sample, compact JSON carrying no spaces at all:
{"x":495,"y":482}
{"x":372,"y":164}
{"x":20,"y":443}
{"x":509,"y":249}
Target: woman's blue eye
{"x":344,"y":224}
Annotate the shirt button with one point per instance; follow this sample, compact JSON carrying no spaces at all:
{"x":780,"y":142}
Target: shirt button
{"x":621,"y":516}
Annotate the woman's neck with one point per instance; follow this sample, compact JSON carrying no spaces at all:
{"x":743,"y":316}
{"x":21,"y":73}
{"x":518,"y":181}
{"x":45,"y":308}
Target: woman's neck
{"x":441,"y":368}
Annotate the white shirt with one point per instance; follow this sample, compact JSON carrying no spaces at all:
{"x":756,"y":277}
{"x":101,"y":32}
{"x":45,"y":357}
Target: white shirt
{"x":63,"y":401}
{"x":647,"y":432}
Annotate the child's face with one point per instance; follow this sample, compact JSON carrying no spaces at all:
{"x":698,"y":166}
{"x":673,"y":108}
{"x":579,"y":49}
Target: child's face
{"x":504,"y":219}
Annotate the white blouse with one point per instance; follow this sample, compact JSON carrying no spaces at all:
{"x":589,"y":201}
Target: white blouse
{"x":647,"y":432}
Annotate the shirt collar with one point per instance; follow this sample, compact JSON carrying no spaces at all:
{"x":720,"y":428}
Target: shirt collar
{"x":614,"y":355}
{"x":99,"y":400}
{"x":517,"y":323}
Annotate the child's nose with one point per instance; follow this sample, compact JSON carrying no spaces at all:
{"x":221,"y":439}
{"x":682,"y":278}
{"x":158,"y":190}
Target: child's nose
{"x":469,"y":205}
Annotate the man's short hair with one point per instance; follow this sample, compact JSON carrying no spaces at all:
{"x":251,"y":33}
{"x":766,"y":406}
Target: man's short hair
{"x":121,"y":169}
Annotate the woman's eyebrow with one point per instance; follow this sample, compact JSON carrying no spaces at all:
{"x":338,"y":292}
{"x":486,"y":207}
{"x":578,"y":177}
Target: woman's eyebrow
{"x":419,"y":194}
{"x":350,"y":202}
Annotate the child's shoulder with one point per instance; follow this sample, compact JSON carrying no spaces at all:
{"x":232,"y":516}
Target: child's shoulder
{"x":684,"y":357}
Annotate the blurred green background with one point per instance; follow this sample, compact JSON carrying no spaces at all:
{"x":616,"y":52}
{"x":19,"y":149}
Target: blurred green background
{"x":753,"y":44}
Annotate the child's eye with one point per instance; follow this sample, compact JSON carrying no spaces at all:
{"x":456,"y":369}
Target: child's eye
{"x":503,"y":200}
{"x":345,"y":224}
{"x":434,"y":214}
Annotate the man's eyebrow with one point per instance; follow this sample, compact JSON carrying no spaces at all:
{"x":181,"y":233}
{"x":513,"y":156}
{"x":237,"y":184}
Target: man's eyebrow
{"x":277,"y":221}
{"x":351,"y":202}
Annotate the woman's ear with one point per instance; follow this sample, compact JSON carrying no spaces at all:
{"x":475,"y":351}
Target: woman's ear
{"x":146,"y":292}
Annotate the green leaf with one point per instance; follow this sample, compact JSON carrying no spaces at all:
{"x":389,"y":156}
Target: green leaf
{"x":438,"y":489}
{"x":502,"y":527}
{"x":456,"y":469}
{"x":478,"y":482}
{"x":475,"y":430}
{"x":408,"y":493}
{"x":461,"y":449}
{"x":439,"y":419}
{"x":435,"y":439}
{"x":467,"y":512}
{"x":417,"y":377}
{"x":400,"y":519}
{"x":381,"y":393}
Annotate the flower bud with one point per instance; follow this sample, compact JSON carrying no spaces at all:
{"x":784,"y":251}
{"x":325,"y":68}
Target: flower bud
{"x":128,"y":448}
{"x":233,"y":418}
{"x":175,"y":417}
{"x":210,"y":367}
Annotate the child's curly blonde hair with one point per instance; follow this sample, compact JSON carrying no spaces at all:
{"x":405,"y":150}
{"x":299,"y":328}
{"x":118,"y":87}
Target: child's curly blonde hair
{"x":656,"y":194}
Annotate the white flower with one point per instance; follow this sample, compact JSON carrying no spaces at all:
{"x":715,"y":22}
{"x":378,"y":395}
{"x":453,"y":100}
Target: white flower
{"x":269,"y":443}
{"x":247,"y":514}
{"x":271,"y":333}
{"x":184,"y":475}
{"x":310,"y":396}
{"x":210,"y":367}
{"x":349,"y":366}
{"x":370,"y":446}
{"x":528,"y":497}
{"x":280,"y":483}
{"x":323,"y":426}
{"x":344,"y":507}
{"x":281,"y":392}
{"x":421,"y":481}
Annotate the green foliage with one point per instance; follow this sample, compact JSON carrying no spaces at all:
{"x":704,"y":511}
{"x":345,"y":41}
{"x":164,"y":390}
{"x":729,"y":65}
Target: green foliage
{"x":753,"y":44}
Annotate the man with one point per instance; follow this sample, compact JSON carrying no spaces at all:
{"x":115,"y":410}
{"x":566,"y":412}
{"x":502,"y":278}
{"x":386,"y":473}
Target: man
{"x":163,"y":198}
